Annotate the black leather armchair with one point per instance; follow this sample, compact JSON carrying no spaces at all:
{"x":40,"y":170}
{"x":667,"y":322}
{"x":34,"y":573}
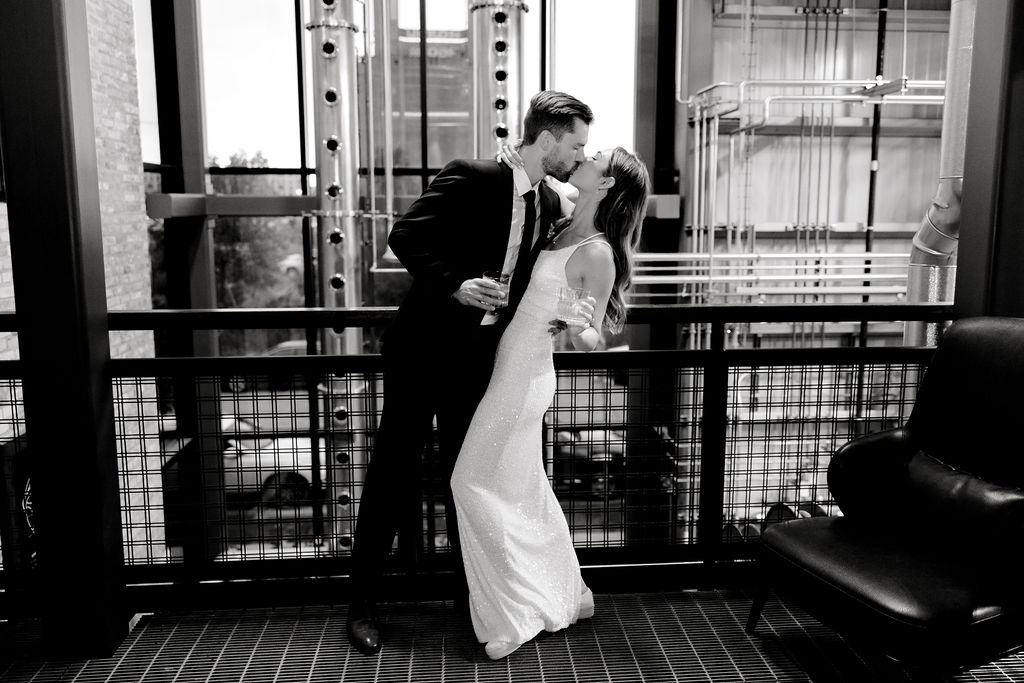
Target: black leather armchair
{"x":924,"y":563}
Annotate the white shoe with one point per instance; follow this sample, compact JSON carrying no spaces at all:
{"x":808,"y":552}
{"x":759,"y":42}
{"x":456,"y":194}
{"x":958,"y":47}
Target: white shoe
{"x":499,"y":649}
{"x":586,"y":605}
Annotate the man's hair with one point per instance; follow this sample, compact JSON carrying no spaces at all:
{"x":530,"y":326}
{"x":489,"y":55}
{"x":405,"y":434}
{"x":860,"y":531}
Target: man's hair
{"x":555,"y":112}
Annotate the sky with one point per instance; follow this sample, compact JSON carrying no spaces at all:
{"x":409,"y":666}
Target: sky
{"x":250,"y":64}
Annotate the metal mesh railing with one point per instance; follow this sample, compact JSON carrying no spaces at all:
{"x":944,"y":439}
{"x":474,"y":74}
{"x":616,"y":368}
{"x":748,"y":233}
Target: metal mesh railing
{"x":268,"y":467}
{"x":141,"y":454}
{"x":277,"y":473}
{"x":624,"y":472}
{"x":16,"y":540}
{"x":784,"y":424}
{"x":654,"y":455}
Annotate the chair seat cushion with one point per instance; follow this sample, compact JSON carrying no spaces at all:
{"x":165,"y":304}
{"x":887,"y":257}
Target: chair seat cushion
{"x":888,"y":586}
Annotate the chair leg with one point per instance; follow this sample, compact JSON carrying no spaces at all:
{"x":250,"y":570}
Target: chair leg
{"x":760,"y":598}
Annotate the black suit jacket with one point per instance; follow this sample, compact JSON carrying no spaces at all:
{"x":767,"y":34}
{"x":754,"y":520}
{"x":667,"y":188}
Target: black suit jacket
{"x":457,"y":229}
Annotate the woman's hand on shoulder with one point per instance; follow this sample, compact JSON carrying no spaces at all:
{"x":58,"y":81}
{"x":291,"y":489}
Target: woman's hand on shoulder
{"x":508,"y":153}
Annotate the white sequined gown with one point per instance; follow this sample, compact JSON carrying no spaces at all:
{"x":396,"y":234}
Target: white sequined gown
{"x":521,"y":567}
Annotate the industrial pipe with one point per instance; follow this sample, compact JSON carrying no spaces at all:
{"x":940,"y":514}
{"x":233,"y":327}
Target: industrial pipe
{"x":388,"y":114}
{"x":933,"y":255}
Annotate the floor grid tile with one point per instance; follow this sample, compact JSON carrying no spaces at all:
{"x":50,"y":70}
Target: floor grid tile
{"x":648,"y":637}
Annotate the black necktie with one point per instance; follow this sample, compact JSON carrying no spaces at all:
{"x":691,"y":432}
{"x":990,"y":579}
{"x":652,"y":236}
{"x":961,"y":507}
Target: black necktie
{"x":526,"y":257}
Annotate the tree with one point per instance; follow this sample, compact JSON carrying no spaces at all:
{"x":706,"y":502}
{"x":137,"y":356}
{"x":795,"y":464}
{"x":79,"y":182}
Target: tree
{"x":247,"y":254}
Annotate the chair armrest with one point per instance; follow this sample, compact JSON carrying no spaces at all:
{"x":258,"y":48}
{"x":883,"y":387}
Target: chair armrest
{"x":869,"y":471}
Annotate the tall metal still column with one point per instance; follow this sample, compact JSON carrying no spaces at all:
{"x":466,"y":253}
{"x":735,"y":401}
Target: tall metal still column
{"x":335,"y":124}
{"x":498,"y":108}
{"x":339,"y":253}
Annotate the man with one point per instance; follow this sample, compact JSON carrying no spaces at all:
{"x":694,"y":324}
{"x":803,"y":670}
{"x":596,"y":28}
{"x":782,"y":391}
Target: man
{"x":438,"y":353}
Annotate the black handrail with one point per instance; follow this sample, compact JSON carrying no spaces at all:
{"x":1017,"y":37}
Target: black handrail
{"x":269,"y":318}
{"x":265,"y":318}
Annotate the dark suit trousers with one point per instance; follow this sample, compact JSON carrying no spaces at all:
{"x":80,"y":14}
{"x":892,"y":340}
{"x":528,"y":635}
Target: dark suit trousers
{"x":448,"y":384}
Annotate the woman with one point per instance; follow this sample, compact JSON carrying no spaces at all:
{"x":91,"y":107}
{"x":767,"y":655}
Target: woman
{"x":520,"y":563}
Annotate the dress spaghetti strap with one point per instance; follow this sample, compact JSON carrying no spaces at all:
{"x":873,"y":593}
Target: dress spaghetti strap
{"x":587,"y":239}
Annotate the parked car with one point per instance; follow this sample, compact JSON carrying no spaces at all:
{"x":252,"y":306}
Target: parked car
{"x":257,"y":468}
{"x":276,"y":471}
{"x":292,"y":347}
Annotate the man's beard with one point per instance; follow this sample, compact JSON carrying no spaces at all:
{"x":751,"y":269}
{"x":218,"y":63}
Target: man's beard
{"x":558,"y":170}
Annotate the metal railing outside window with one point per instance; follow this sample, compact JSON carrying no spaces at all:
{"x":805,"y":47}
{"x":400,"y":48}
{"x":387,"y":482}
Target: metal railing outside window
{"x":657,"y":456}
{"x":671,"y":457}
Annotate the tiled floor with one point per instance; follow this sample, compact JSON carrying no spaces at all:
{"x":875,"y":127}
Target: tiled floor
{"x":690,"y":636}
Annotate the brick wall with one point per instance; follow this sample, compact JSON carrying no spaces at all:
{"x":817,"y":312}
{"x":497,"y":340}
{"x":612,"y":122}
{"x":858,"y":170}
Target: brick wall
{"x":122,"y":197}
{"x":115,"y":95}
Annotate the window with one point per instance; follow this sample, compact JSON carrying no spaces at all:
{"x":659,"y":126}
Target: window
{"x":597,"y":65}
{"x":250,"y":81}
{"x":149,"y":125}
{"x":449,"y":83}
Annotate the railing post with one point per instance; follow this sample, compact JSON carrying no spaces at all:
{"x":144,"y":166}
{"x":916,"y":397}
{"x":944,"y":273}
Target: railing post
{"x":188,"y":258}
{"x":648,"y":502}
{"x":712,"y":445}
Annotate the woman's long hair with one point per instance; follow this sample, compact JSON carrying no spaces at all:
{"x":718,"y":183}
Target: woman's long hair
{"x":619,"y":216}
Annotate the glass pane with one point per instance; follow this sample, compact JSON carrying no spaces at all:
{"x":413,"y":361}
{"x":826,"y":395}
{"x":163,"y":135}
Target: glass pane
{"x":531,"y":53}
{"x":449,"y":83}
{"x":595,"y":59}
{"x":258,"y":264}
{"x":255,"y":260}
{"x":149,"y":123}
{"x":261,"y":184}
{"x":250,"y":81}
{"x":405,"y":83}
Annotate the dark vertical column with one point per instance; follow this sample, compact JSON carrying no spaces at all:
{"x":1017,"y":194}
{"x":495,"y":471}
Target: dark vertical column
{"x":876,"y":134}
{"x":60,"y":294}
{"x":189,"y":245}
{"x":989,"y":278}
{"x":655,"y":132}
{"x":696,"y":72}
{"x":424,"y":129}
{"x":188,"y":258}
{"x":713,"y":435}
{"x":545,"y":11}
{"x":876,"y":128}
{"x":655,"y":109}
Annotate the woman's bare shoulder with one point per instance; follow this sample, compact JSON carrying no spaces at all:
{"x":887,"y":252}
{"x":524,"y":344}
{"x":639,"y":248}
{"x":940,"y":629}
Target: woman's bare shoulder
{"x":592,"y":258}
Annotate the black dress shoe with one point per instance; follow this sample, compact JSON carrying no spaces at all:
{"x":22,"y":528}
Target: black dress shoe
{"x":364,"y":630}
